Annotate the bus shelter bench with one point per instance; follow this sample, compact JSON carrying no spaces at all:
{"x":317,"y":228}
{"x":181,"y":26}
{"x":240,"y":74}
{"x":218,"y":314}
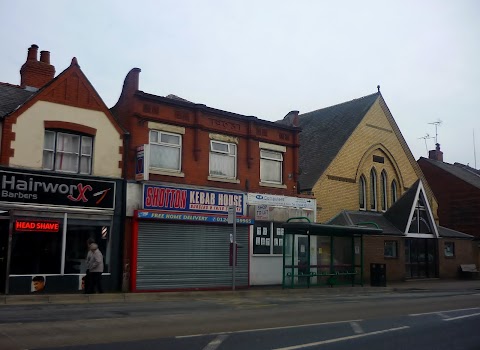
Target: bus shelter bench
{"x":332,"y":276}
{"x":468,"y":270}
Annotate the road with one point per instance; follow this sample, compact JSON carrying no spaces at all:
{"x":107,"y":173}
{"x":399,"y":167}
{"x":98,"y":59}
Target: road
{"x":302,"y":320}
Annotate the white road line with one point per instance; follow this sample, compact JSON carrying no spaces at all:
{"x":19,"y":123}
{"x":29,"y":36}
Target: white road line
{"x":459,"y":317}
{"x":335,"y":340}
{"x":436,"y":312}
{"x":356,"y":327}
{"x":442,"y":315}
{"x":266,"y":329}
{"x":215,"y":343}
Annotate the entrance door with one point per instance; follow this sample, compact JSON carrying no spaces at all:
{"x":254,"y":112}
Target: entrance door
{"x":420,"y":258}
{"x":4,"y":229}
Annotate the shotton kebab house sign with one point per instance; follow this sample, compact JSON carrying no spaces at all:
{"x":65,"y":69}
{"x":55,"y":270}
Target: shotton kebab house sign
{"x":24,"y":188}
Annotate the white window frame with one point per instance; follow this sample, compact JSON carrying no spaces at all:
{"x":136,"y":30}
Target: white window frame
{"x":79,"y":154}
{"x":264,"y":157}
{"x":230,"y":151}
{"x":159,"y":143}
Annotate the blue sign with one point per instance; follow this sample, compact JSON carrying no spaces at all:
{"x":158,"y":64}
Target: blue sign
{"x":143,"y":214}
{"x":191,"y":200}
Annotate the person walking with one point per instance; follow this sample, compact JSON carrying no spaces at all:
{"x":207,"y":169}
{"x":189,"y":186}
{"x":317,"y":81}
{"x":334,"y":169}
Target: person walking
{"x":93,"y":279}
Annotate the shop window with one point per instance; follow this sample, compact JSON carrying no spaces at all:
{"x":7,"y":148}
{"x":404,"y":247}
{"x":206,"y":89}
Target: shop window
{"x":362,"y":193}
{"x":449,"y":249}
{"x":390,"y":249}
{"x":278,"y":238}
{"x":271,"y":164}
{"x":373,"y":189}
{"x":384,"y":190}
{"x":76,"y":246}
{"x":165,"y":150}
{"x":223,"y":159}
{"x":37,"y":246}
{"x":36,"y":250}
{"x":261,"y":238}
{"x":67,"y":152}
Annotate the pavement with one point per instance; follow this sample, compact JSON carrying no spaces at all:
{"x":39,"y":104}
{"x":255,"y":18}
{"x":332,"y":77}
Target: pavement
{"x":431,"y":285}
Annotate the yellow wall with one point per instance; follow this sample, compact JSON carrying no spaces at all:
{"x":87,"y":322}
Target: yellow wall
{"x":375,"y":135}
{"x":29,"y":135}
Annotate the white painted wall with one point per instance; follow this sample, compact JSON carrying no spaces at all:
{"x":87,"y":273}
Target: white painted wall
{"x":29,"y":135}
{"x":134,"y":197}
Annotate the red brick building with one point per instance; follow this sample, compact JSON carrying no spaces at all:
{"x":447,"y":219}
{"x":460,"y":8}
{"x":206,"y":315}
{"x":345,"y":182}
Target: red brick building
{"x":61,"y":179}
{"x":192,"y":163}
{"x":457,"y":189}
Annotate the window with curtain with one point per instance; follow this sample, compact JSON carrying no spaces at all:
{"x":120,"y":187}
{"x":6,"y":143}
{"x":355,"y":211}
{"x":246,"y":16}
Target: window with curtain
{"x":223,"y":159}
{"x":67,"y":152}
{"x":165,"y":150}
{"x":394,"y":191}
{"x":362,"y":193}
{"x":373,"y":190}
{"x":384,"y":190}
{"x":271,"y":163}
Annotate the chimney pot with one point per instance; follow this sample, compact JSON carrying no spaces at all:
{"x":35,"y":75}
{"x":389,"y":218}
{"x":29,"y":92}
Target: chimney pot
{"x":32,"y":53}
{"x":436,"y":154}
{"x":45,"y":57}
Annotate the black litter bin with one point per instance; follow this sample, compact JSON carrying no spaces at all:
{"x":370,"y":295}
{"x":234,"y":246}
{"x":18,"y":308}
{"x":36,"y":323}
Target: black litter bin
{"x":378,"y":275}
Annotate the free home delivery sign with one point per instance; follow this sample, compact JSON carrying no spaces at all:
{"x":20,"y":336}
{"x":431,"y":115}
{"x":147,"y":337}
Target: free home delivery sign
{"x":191,"y":200}
{"x":16,"y":187}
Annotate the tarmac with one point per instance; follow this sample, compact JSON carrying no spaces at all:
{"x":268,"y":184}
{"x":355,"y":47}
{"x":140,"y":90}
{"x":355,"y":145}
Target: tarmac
{"x":427,"y":285}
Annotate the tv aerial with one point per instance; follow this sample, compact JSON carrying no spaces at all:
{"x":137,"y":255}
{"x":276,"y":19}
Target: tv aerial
{"x":437,"y":124}
{"x":426,"y":137}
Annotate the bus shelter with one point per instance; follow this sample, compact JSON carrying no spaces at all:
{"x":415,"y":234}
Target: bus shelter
{"x":320,"y":255}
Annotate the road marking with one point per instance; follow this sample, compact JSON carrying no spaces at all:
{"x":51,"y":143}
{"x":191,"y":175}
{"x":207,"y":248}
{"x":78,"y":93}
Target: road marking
{"x":459,"y":317}
{"x":436,"y":312}
{"x":442,"y":315}
{"x":266,"y":329}
{"x":215,"y":343}
{"x":335,"y":340}
{"x":356,"y":327}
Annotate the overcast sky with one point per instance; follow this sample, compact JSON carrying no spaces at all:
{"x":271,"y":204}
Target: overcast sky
{"x":268,"y":57}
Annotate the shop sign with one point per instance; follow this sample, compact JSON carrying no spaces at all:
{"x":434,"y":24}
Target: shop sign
{"x":23,"y":188}
{"x":145,"y":214}
{"x":37,"y":226}
{"x":191,"y":200}
{"x":284,"y":201}
{"x":142,"y":163}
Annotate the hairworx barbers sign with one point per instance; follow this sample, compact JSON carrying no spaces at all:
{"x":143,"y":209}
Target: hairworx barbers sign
{"x":191,"y":200}
{"x":25,"y":188}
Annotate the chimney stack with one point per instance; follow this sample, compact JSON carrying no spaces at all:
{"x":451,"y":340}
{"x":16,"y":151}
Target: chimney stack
{"x":436,"y":154}
{"x":292,"y":118}
{"x":35,"y":74}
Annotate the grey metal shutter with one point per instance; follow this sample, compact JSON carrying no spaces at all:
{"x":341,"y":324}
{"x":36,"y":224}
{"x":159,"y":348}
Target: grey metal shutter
{"x":177,"y":256}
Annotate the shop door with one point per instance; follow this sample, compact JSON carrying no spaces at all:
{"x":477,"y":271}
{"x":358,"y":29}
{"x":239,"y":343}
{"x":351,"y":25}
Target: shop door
{"x":4,"y":229}
{"x":421,"y":258}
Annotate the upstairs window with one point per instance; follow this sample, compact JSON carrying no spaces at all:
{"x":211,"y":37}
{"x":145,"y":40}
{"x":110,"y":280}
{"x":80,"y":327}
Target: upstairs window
{"x":67,"y":152}
{"x":165,"y":150}
{"x":271,"y":164}
{"x":373,"y":190}
{"x":362,"y":194}
{"x":223,"y":159}
{"x":384,"y":190}
{"x":394,"y":191}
